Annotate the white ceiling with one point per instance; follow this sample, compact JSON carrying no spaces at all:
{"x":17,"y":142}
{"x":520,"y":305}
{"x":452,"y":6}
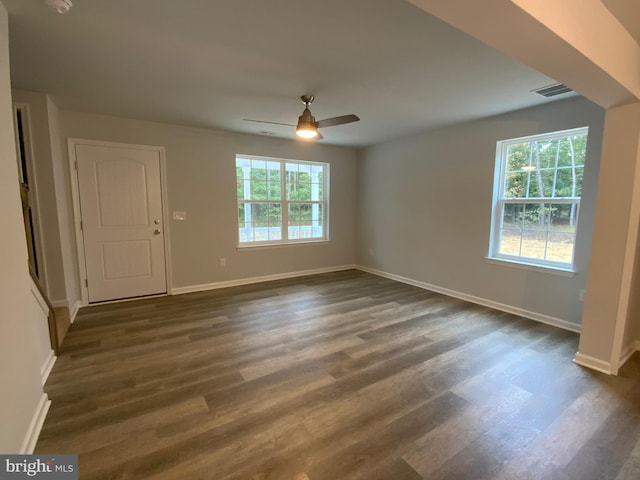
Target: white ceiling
{"x":211,"y":63}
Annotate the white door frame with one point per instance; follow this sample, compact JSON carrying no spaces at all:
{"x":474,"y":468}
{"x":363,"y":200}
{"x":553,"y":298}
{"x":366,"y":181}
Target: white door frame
{"x":75,"y":193}
{"x":33,"y":190}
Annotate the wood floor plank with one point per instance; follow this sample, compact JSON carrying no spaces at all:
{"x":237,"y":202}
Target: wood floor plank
{"x":342,"y":375}
{"x":614,"y":440}
{"x":561,"y":442}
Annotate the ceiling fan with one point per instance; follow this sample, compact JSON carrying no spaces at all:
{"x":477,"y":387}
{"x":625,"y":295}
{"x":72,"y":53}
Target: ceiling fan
{"x":307,"y":126}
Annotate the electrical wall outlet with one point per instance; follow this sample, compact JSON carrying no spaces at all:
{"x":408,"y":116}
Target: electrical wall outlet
{"x":223,"y":262}
{"x":581,"y":294}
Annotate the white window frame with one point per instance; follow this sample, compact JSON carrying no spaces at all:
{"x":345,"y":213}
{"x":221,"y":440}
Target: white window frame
{"x":497,"y":212}
{"x":284,"y":227}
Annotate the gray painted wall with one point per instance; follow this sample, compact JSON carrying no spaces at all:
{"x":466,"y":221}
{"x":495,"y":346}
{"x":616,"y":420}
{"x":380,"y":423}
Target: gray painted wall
{"x":424,"y":209}
{"x":64,"y":204}
{"x":201,"y":181}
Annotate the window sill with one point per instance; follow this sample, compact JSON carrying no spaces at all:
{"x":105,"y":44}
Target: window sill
{"x":262,"y":246}
{"x":562,"y":272}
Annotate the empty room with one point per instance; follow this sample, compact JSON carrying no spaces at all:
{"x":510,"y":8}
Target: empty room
{"x":320,"y":240}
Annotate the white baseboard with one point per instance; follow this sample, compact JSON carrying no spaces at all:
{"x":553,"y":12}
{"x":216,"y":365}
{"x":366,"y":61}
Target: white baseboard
{"x":606,"y":367}
{"x":74,"y":311}
{"x":556,"y":322}
{"x":265,"y":278}
{"x":45,"y":369}
{"x":627,"y":352}
{"x":593,"y":363}
{"x":31,"y":438}
{"x":59,"y":304}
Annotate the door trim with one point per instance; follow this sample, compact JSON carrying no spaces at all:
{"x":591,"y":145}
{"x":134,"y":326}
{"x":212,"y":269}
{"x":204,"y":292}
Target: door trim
{"x":75,"y":194}
{"x":33,"y":191}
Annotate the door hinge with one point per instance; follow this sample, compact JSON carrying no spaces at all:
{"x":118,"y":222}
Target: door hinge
{"x":76,"y":164}
{"x":81,"y":226}
{"x":86,"y":282}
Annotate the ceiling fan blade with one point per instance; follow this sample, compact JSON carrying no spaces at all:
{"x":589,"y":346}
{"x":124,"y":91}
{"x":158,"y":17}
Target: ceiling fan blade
{"x":266,"y":121}
{"x":330,"y":122}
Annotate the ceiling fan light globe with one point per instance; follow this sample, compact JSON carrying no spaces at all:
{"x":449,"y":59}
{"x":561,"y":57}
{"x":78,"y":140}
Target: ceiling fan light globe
{"x":306,"y":127}
{"x":307,"y":132}
{"x":59,"y":6}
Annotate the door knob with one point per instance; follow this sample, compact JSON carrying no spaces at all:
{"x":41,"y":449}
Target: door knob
{"x":156,"y":231}
{"x":157,"y":221}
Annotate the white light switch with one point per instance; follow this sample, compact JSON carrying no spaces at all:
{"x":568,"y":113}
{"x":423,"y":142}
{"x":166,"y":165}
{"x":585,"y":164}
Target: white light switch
{"x":180,"y":216}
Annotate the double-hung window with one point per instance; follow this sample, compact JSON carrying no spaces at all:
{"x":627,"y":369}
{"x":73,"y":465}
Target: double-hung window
{"x":281,"y":201}
{"x":537,"y":190}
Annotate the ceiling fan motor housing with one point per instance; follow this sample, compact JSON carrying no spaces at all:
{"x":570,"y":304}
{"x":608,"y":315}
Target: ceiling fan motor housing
{"x":306,"y":119}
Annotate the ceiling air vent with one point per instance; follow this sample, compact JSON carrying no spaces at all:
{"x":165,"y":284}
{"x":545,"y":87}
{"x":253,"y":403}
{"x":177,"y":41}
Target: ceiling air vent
{"x":552,"y":90}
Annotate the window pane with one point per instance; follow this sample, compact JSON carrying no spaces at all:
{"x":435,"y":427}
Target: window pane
{"x":262,"y":214}
{"x":294,"y":214}
{"x":274,"y":217}
{"x":259,"y":191}
{"x":273,"y":181}
{"x":533,"y":243}
{"x":572,"y":151}
{"x":317,"y":215}
{"x":320,"y":182}
{"x":298,"y":182}
{"x":258,"y":179}
{"x":316,"y":192}
{"x":241,"y":210}
{"x":560,"y":247}
{"x":536,"y":215}
{"x":579,"y":175}
{"x":513,"y":215}
{"x":239,"y":183}
{"x":516,"y":185}
{"x":294,"y":229}
{"x":545,"y":154}
{"x":245,"y":234}
{"x":302,"y":191}
{"x":258,"y":166}
{"x":510,"y":241}
{"x":273,"y":167}
{"x":305,"y":170}
{"x":244,"y":223}
{"x":274,"y":191}
{"x":292,"y":182}
{"x":537,"y":185}
{"x":259,"y":222}
{"x":563,"y":217}
{"x":306,"y":220}
{"x":569,"y":182}
{"x":545,"y":178}
{"x":517,"y":156}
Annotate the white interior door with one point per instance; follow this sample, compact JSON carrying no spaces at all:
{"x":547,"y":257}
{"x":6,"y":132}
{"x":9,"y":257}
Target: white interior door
{"x":122,"y":221}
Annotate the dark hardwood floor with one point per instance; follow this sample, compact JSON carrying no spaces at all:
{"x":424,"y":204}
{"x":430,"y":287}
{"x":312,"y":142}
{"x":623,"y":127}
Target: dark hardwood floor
{"x":329,"y":377}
